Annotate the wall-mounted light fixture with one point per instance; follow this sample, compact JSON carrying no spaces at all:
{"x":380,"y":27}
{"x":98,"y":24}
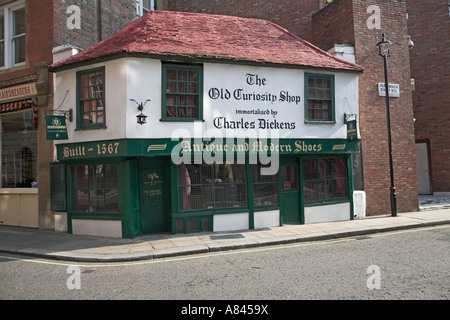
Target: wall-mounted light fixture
{"x":141,"y":117}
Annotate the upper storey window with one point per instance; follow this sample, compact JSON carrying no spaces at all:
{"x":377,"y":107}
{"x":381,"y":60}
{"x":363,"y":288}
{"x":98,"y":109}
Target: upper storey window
{"x":144,"y":6}
{"x":12,"y":35}
{"x":319,"y":102}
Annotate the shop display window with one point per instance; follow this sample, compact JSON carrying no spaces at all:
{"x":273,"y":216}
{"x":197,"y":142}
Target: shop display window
{"x":95,"y":188}
{"x":19,"y":150}
{"x":216,"y":186}
{"x":324,"y":179}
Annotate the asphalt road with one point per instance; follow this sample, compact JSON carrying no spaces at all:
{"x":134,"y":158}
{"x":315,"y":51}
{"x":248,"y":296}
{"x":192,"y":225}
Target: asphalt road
{"x":410,"y":264}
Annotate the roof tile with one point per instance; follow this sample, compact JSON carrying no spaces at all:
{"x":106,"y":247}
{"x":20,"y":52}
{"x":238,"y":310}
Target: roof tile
{"x":210,"y":37}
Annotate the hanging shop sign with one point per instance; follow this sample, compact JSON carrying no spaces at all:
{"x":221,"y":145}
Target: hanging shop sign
{"x":351,"y":131}
{"x":56,"y":127}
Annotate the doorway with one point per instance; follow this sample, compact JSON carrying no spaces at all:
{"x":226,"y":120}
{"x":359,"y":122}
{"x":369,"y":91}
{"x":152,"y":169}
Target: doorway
{"x":290,"y":192}
{"x":152,"y":188}
{"x":423,"y":167}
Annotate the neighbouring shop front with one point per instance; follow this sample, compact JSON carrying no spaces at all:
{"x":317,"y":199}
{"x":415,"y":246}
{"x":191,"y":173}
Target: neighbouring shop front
{"x":126,"y":188}
{"x":19,"y":150}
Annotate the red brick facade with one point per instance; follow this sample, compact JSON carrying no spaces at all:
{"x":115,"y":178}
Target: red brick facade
{"x":99,"y":20}
{"x":294,"y":16}
{"x":343,"y":22}
{"x":374,"y":144}
{"x":429,"y":27}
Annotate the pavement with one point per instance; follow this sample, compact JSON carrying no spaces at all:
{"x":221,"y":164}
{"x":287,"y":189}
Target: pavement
{"x":68,"y":247}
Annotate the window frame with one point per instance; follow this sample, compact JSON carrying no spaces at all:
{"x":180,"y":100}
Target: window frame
{"x":80,"y":100}
{"x":58,"y":189}
{"x":7,"y":12}
{"x":199,"y":94}
{"x":259,"y":180}
{"x":208,"y":189}
{"x":332,"y":118}
{"x":73,"y":187}
{"x":333,"y":199}
{"x":16,"y":161}
{"x":141,"y":9}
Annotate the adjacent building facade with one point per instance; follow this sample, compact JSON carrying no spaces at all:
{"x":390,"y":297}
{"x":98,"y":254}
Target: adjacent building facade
{"x":429,"y":28}
{"x":185,"y":123}
{"x":30,"y":32}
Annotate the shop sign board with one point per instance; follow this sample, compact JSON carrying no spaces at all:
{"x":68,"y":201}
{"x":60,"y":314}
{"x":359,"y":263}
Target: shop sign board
{"x":351,"y":130}
{"x":152,"y":186}
{"x":56,"y":127}
{"x":19,"y":92}
{"x":185,"y":148}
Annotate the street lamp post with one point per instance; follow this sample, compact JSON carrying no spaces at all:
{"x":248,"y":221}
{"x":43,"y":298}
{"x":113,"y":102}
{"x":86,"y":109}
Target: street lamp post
{"x":384,"y":51}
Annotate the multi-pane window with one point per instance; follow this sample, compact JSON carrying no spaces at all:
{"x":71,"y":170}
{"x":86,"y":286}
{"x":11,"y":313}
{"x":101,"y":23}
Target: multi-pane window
{"x":144,"y":6}
{"x":12,"y":36}
{"x":216,"y":186}
{"x":265,"y":187}
{"x":95,"y":188}
{"x":181,"y":93}
{"x":319,"y":102}
{"x":91,"y":98}
{"x":58,"y":187}
{"x":324,"y":179}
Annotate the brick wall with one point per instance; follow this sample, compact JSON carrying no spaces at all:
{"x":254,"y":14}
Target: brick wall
{"x":373,"y":119}
{"x":294,"y":16}
{"x":333,"y":25}
{"x":429,"y":27}
{"x":99,"y":20}
{"x":38,"y":39}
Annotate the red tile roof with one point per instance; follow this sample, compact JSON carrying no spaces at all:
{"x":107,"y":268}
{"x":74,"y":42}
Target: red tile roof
{"x":208,"y":37}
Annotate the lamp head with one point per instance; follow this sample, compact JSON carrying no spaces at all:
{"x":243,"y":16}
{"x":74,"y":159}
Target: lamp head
{"x":383,"y":47}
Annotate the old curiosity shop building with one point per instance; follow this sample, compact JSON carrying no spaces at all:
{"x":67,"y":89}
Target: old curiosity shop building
{"x":186,"y":122}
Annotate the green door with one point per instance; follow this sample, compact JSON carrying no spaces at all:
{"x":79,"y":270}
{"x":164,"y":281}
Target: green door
{"x":290,"y":195}
{"x":153,"y":213}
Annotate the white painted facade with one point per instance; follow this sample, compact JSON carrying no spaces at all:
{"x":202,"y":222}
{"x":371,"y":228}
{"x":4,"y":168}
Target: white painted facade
{"x":140,"y":79}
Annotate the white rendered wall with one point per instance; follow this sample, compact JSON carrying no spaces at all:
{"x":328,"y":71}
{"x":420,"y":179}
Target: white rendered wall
{"x":327,"y":213}
{"x":140,"y":79}
{"x":230,"y":222}
{"x":267,"y":219}
{"x":99,"y":228}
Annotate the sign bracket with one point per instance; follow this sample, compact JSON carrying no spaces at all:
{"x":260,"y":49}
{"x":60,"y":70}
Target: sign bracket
{"x":67,"y":113}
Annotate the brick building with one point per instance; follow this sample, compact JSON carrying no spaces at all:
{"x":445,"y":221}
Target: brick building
{"x":260,"y":115}
{"x":429,"y":28}
{"x":30,"y":30}
{"x":351,"y":24}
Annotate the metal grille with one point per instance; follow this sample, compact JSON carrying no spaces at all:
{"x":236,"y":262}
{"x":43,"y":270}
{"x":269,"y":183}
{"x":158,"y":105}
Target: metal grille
{"x":211,"y":186}
{"x":95,"y":188}
{"x":324,"y":179}
{"x":265,"y":187}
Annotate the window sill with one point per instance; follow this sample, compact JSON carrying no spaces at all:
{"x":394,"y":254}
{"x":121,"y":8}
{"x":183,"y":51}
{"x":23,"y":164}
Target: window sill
{"x":181,"y":120}
{"x":320,"y":121}
{"x":91,"y":128}
{"x":18,"y":190}
{"x":326,"y":202}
